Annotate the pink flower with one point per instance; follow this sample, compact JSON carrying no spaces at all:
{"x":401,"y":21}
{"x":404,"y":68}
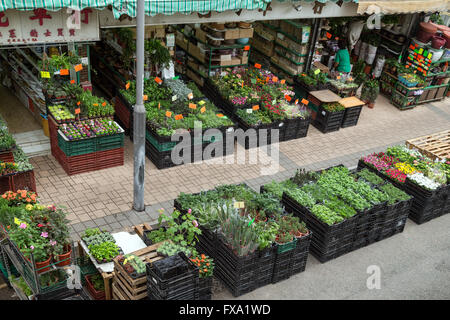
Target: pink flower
{"x":52,"y":242}
{"x":23,"y":226}
{"x":44,"y":234}
{"x":195,"y":223}
{"x":32,"y":247}
{"x":40,"y":225}
{"x":190,"y":210}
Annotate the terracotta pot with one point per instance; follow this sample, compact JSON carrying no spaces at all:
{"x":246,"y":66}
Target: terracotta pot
{"x":446,"y":35}
{"x":43,"y":264}
{"x":64,"y":256}
{"x":428,"y":27}
{"x":437,"y":42}
{"x":370,"y":104}
{"x":443,"y":28}
{"x":423,"y":36}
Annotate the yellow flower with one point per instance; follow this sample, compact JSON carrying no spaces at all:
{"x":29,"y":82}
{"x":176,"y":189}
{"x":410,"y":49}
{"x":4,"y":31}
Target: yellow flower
{"x":29,"y":207}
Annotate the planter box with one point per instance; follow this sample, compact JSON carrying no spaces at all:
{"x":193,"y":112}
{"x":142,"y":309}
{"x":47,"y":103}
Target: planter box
{"x":351,"y":117}
{"x":205,"y":288}
{"x":328,"y":121}
{"x":97,"y":295}
{"x":295,"y":128}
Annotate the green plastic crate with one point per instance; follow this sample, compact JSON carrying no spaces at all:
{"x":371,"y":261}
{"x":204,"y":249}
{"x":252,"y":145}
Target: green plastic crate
{"x":78,"y":147}
{"x":285,"y":247}
{"x":110,"y":142}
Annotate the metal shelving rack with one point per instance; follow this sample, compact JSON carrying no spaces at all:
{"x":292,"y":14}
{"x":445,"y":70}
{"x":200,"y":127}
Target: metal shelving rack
{"x":26,"y":268}
{"x":211,"y":48}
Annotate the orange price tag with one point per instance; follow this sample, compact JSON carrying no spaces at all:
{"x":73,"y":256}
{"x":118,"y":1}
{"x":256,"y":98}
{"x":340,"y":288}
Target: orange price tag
{"x":64,"y":72}
{"x":255,"y":107}
{"x":192,"y":106}
{"x":242,"y":84}
{"x":246,"y":48}
{"x":219,"y":115}
{"x":328,"y":35}
{"x":275,"y":79}
{"x":283,"y":81}
{"x":288,"y":98}
{"x":77,"y":110}
{"x":159,"y":105}
{"x":168,"y":114}
{"x":305,"y":102}
{"x":178,"y":117}
{"x":127,"y":86}
{"x":158,"y":80}
{"x":145,"y":97}
{"x":78,"y":103}
{"x":104,"y":104}
{"x":257,"y":66}
{"x":203,"y":109}
{"x":296,"y":101}
{"x":338,"y":77}
{"x":72,"y":81}
{"x":78,"y":67}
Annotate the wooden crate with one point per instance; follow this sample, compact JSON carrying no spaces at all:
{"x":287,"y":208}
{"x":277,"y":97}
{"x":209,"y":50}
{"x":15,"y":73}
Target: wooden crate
{"x":124,"y":286}
{"x":434,"y":146}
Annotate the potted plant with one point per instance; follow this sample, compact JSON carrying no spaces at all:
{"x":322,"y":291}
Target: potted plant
{"x":205,"y":267}
{"x":96,"y":286}
{"x":158,"y":55}
{"x":370,"y":91}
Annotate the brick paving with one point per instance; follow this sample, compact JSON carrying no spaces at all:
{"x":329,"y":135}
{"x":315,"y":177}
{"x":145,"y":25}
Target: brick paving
{"x":104,"y":198}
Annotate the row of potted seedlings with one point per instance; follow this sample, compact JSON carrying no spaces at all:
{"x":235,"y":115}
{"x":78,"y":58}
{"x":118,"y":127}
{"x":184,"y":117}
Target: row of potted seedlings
{"x":39,"y":234}
{"x":179,"y":108}
{"x":424,"y":179}
{"x":257,"y":99}
{"x":251,"y":238}
{"x":345,"y":211}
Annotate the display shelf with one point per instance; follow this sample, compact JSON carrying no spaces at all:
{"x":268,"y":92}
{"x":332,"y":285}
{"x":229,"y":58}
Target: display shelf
{"x":391,"y":40}
{"x":24,"y":68}
{"x":292,"y":61}
{"x":290,"y":50}
{"x":28,"y":58}
{"x":287,"y":35}
{"x":115,"y":46}
{"x":389,"y":49}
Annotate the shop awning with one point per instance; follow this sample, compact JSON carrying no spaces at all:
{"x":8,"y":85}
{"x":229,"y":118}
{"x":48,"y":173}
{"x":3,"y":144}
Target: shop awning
{"x":403,"y":6}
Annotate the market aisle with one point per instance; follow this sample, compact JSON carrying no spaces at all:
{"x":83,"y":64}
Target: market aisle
{"x":95,"y":198}
{"x":16,"y":115}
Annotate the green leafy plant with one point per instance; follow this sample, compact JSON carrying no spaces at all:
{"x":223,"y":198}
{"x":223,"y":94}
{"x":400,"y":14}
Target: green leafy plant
{"x":369,"y":176}
{"x":157,"y":53}
{"x":97,"y":282}
{"x":326,"y":215}
{"x":168,"y":249}
{"x":394,"y":194}
{"x":104,"y":252}
{"x":333,"y":107}
{"x":370,"y":90}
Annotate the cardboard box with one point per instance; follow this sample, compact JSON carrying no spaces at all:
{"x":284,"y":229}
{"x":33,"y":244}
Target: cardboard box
{"x":225,"y":57}
{"x":232,"y":34}
{"x":245,"y":33}
{"x":197,"y":79}
{"x":320,"y":66}
{"x":195,"y":52}
{"x":264,"y":47}
{"x":200,"y":34}
{"x":160,"y":33}
{"x":244,"y":60}
{"x":193,"y":65}
{"x":235,"y":61}
{"x":182,"y":42}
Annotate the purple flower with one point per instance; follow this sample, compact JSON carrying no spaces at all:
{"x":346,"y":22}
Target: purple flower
{"x":195,"y":223}
{"x":23,"y":226}
{"x":44,"y":234}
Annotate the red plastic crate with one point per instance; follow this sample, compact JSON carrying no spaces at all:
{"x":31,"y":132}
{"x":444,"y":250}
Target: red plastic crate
{"x":5,"y":184}
{"x":23,"y":181}
{"x":7,"y":156}
{"x":109,"y":158}
{"x":122,"y":112}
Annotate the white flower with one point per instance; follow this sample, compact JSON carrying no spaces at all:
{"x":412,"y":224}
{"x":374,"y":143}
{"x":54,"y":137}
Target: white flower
{"x":423,"y":181}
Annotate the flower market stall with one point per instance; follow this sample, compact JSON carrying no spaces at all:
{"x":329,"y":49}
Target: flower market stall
{"x":257,"y":99}
{"x":174,"y":109}
{"x":421,"y":177}
{"x":35,"y":244}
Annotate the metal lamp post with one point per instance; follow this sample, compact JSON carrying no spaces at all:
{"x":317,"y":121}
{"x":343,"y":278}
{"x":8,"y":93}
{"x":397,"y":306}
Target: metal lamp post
{"x":139,"y":113}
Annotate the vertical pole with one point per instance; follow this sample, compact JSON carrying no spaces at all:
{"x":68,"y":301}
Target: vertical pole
{"x":139,"y":112}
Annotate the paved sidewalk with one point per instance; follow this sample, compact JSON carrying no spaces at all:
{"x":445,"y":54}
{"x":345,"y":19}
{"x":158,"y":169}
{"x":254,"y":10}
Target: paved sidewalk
{"x":104,"y":198}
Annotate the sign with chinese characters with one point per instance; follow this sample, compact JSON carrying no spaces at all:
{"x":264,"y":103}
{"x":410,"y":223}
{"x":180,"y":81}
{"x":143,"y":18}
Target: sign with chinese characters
{"x":43,"y":26}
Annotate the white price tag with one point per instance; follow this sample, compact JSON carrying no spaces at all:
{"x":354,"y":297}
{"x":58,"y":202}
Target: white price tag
{"x":85,"y":60}
{"x":249,"y":110}
{"x":229,"y":129}
{"x":174,"y":98}
{"x":324,"y":113}
{"x":281,"y":124}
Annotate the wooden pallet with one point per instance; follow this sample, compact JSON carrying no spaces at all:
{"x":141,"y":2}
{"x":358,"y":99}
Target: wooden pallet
{"x":434,"y":146}
{"x":127,"y":288}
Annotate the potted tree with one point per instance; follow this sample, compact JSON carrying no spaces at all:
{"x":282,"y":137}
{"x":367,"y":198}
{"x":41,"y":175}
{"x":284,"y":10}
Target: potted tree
{"x":369,"y":92}
{"x":158,"y":55}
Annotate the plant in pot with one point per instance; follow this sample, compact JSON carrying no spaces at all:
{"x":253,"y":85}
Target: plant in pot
{"x":370,"y":91}
{"x":158,"y":55}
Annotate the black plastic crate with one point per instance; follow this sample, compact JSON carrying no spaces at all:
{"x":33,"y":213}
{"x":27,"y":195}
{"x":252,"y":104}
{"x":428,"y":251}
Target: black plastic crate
{"x":180,"y":269}
{"x":351,"y":117}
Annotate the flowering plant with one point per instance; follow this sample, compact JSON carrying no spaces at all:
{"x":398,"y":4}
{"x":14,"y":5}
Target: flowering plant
{"x":376,"y":162}
{"x":205,"y":265}
{"x":20,"y":197}
{"x":8,"y":168}
{"x":405,"y":168}
{"x":396,"y":174}
{"x":423,"y":181}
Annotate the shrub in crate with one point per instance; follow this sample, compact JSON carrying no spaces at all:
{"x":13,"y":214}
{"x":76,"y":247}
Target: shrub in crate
{"x":329,"y":117}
